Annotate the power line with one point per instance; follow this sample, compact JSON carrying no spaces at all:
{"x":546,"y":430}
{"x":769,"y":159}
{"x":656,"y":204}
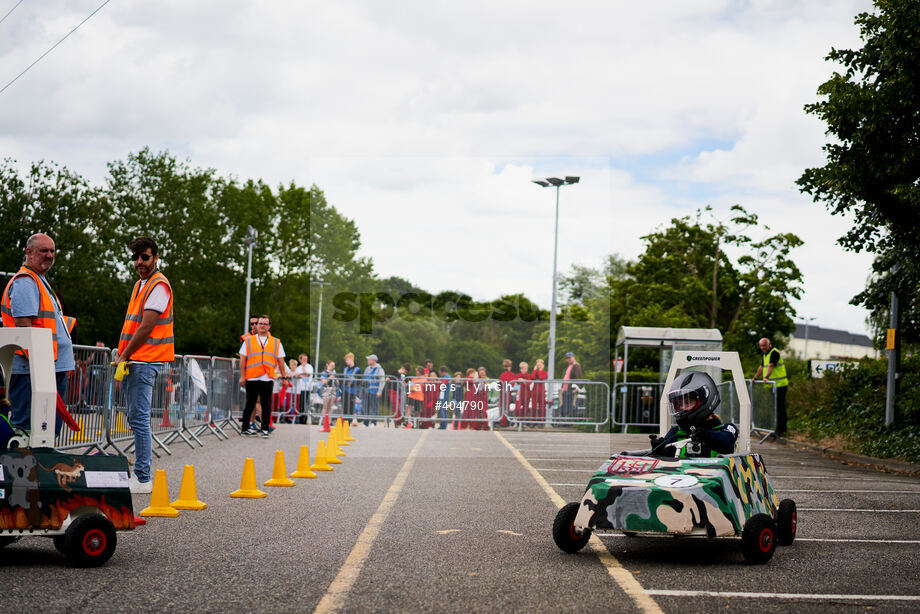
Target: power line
{"x":52,"y":46}
{"x":10,"y":11}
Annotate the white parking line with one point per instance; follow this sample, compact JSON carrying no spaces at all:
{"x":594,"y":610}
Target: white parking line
{"x":857,"y":541}
{"x":899,"y":492}
{"x":839,"y":477}
{"x":854,"y":509}
{"x":814,"y":596}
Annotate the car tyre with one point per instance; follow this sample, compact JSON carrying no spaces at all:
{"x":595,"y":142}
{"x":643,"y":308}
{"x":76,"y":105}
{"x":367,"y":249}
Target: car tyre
{"x":89,"y":541}
{"x":564,"y":533}
{"x":786,"y":522}
{"x":758,"y":539}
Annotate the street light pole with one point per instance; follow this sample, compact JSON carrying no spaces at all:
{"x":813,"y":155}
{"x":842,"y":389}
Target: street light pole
{"x":805,"y":351}
{"x":319,"y":323}
{"x":557,"y":183}
{"x":250,"y":240}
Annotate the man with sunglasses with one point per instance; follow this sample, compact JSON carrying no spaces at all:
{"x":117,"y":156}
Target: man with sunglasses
{"x":29,"y":301}
{"x":260,"y":354}
{"x":145,"y":343}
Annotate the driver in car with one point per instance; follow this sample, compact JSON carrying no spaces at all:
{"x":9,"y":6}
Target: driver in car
{"x":694,"y":399}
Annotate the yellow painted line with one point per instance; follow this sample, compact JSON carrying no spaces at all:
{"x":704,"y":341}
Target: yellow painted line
{"x":337,"y":592}
{"x":623,"y":577}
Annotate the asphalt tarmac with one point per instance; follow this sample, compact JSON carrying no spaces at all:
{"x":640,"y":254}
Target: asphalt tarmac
{"x":460,"y":521}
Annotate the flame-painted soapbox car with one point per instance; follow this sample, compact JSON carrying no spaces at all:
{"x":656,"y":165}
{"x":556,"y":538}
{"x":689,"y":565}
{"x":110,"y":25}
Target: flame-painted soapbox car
{"x":637,"y":493}
{"x":78,"y":500}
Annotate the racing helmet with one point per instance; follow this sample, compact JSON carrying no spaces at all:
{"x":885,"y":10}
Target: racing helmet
{"x":692,"y":398}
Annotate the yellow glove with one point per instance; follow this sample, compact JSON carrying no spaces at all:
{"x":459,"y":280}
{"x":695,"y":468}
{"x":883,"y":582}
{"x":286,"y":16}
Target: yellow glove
{"x":121,"y":371}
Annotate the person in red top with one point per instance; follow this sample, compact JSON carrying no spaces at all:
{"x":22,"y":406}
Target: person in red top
{"x":538,"y":392}
{"x":469,"y":399}
{"x":430,"y":388}
{"x":522,"y":406}
{"x":504,"y":392}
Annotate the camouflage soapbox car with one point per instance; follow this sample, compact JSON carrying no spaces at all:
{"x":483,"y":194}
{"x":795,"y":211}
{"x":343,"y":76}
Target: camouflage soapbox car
{"x":638,"y":494}
{"x":79,"y":501}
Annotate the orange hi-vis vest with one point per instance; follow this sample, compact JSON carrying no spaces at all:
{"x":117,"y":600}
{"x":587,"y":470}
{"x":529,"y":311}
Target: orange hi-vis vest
{"x":45,"y":316}
{"x":159,"y":345}
{"x":261,"y":359}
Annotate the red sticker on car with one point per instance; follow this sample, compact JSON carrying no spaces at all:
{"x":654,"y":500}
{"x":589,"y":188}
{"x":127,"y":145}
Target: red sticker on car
{"x":632,"y":466}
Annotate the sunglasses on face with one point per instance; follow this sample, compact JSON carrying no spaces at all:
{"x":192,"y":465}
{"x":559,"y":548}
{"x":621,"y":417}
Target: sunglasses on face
{"x":143,"y":257}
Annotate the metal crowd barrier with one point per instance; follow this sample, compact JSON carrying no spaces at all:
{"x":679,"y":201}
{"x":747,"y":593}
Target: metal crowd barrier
{"x":636,"y":404}
{"x":462,"y":403}
{"x":87,"y":398}
{"x":225,"y":393}
{"x":355,"y":397}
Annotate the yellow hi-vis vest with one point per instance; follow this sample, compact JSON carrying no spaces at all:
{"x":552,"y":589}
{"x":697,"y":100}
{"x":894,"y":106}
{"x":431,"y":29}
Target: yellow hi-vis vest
{"x":779,"y":369}
{"x":159,"y":345}
{"x":45,"y":316}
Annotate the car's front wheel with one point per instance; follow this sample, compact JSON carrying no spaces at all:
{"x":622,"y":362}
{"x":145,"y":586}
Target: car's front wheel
{"x":758,"y":539}
{"x":564,"y":533}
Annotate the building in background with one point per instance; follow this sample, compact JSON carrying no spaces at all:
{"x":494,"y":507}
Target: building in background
{"x":829,"y":344}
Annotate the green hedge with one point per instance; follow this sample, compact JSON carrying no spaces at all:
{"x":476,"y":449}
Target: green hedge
{"x":849,"y":407}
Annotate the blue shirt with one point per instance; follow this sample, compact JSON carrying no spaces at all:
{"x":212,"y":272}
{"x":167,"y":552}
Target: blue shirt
{"x":351,"y":382}
{"x":24,"y":303}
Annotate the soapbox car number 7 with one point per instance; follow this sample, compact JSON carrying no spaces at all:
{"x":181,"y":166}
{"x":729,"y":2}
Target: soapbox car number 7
{"x":676,"y":481}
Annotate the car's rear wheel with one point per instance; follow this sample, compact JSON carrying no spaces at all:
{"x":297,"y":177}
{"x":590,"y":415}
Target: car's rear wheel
{"x":564,"y":533}
{"x":89,"y":541}
{"x":786,"y":522}
{"x":758,"y":539}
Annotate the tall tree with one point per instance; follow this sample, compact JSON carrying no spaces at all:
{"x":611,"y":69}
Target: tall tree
{"x":873,"y":158}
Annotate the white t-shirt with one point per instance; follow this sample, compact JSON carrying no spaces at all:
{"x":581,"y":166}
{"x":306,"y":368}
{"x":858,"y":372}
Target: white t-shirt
{"x":262,"y":340}
{"x":303,"y":384}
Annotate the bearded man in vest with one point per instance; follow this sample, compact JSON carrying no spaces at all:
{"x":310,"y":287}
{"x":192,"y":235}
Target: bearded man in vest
{"x":261,"y":356}
{"x":145,"y":343}
{"x":774,"y":370}
{"x":28,"y":301}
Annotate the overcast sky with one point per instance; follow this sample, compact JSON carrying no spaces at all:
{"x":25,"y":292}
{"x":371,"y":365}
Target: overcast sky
{"x":425,"y":122}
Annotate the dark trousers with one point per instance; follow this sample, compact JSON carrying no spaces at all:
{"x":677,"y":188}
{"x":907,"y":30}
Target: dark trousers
{"x":348,"y":403}
{"x":568,"y":403}
{"x":262,"y":391}
{"x":781,"y":409}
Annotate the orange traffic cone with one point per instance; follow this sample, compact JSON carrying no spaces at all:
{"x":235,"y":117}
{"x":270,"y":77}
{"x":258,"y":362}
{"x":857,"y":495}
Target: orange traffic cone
{"x":248,"y":487}
{"x":159,"y":500}
{"x":320,"y":464}
{"x":303,"y":464}
{"x":188,"y":492}
{"x":325,"y":428}
{"x":279,"y":472}
{"x":348,"y":436}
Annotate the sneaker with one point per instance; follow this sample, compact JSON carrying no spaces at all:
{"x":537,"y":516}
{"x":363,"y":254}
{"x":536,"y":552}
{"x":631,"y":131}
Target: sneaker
{"x":254,"y":426}
{"x":248,"y":432}
{"x":265,"y":434}
{"x":140,"y":488}
{"x":271,"y":429}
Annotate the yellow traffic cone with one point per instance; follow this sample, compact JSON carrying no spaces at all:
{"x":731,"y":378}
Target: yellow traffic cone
{"x":279,"y":472}
{"x":248,"y":487}
{"x":340,"y":436}
{"x":188,"y":492}
{"x":338,"y":422}
{"x":303,"y":464}
{"x":320,"y":464}
{"x":348,"y":436}
{"x":159,"y":500}
{"x":336,"y":438}
{"x":332,"y":452}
